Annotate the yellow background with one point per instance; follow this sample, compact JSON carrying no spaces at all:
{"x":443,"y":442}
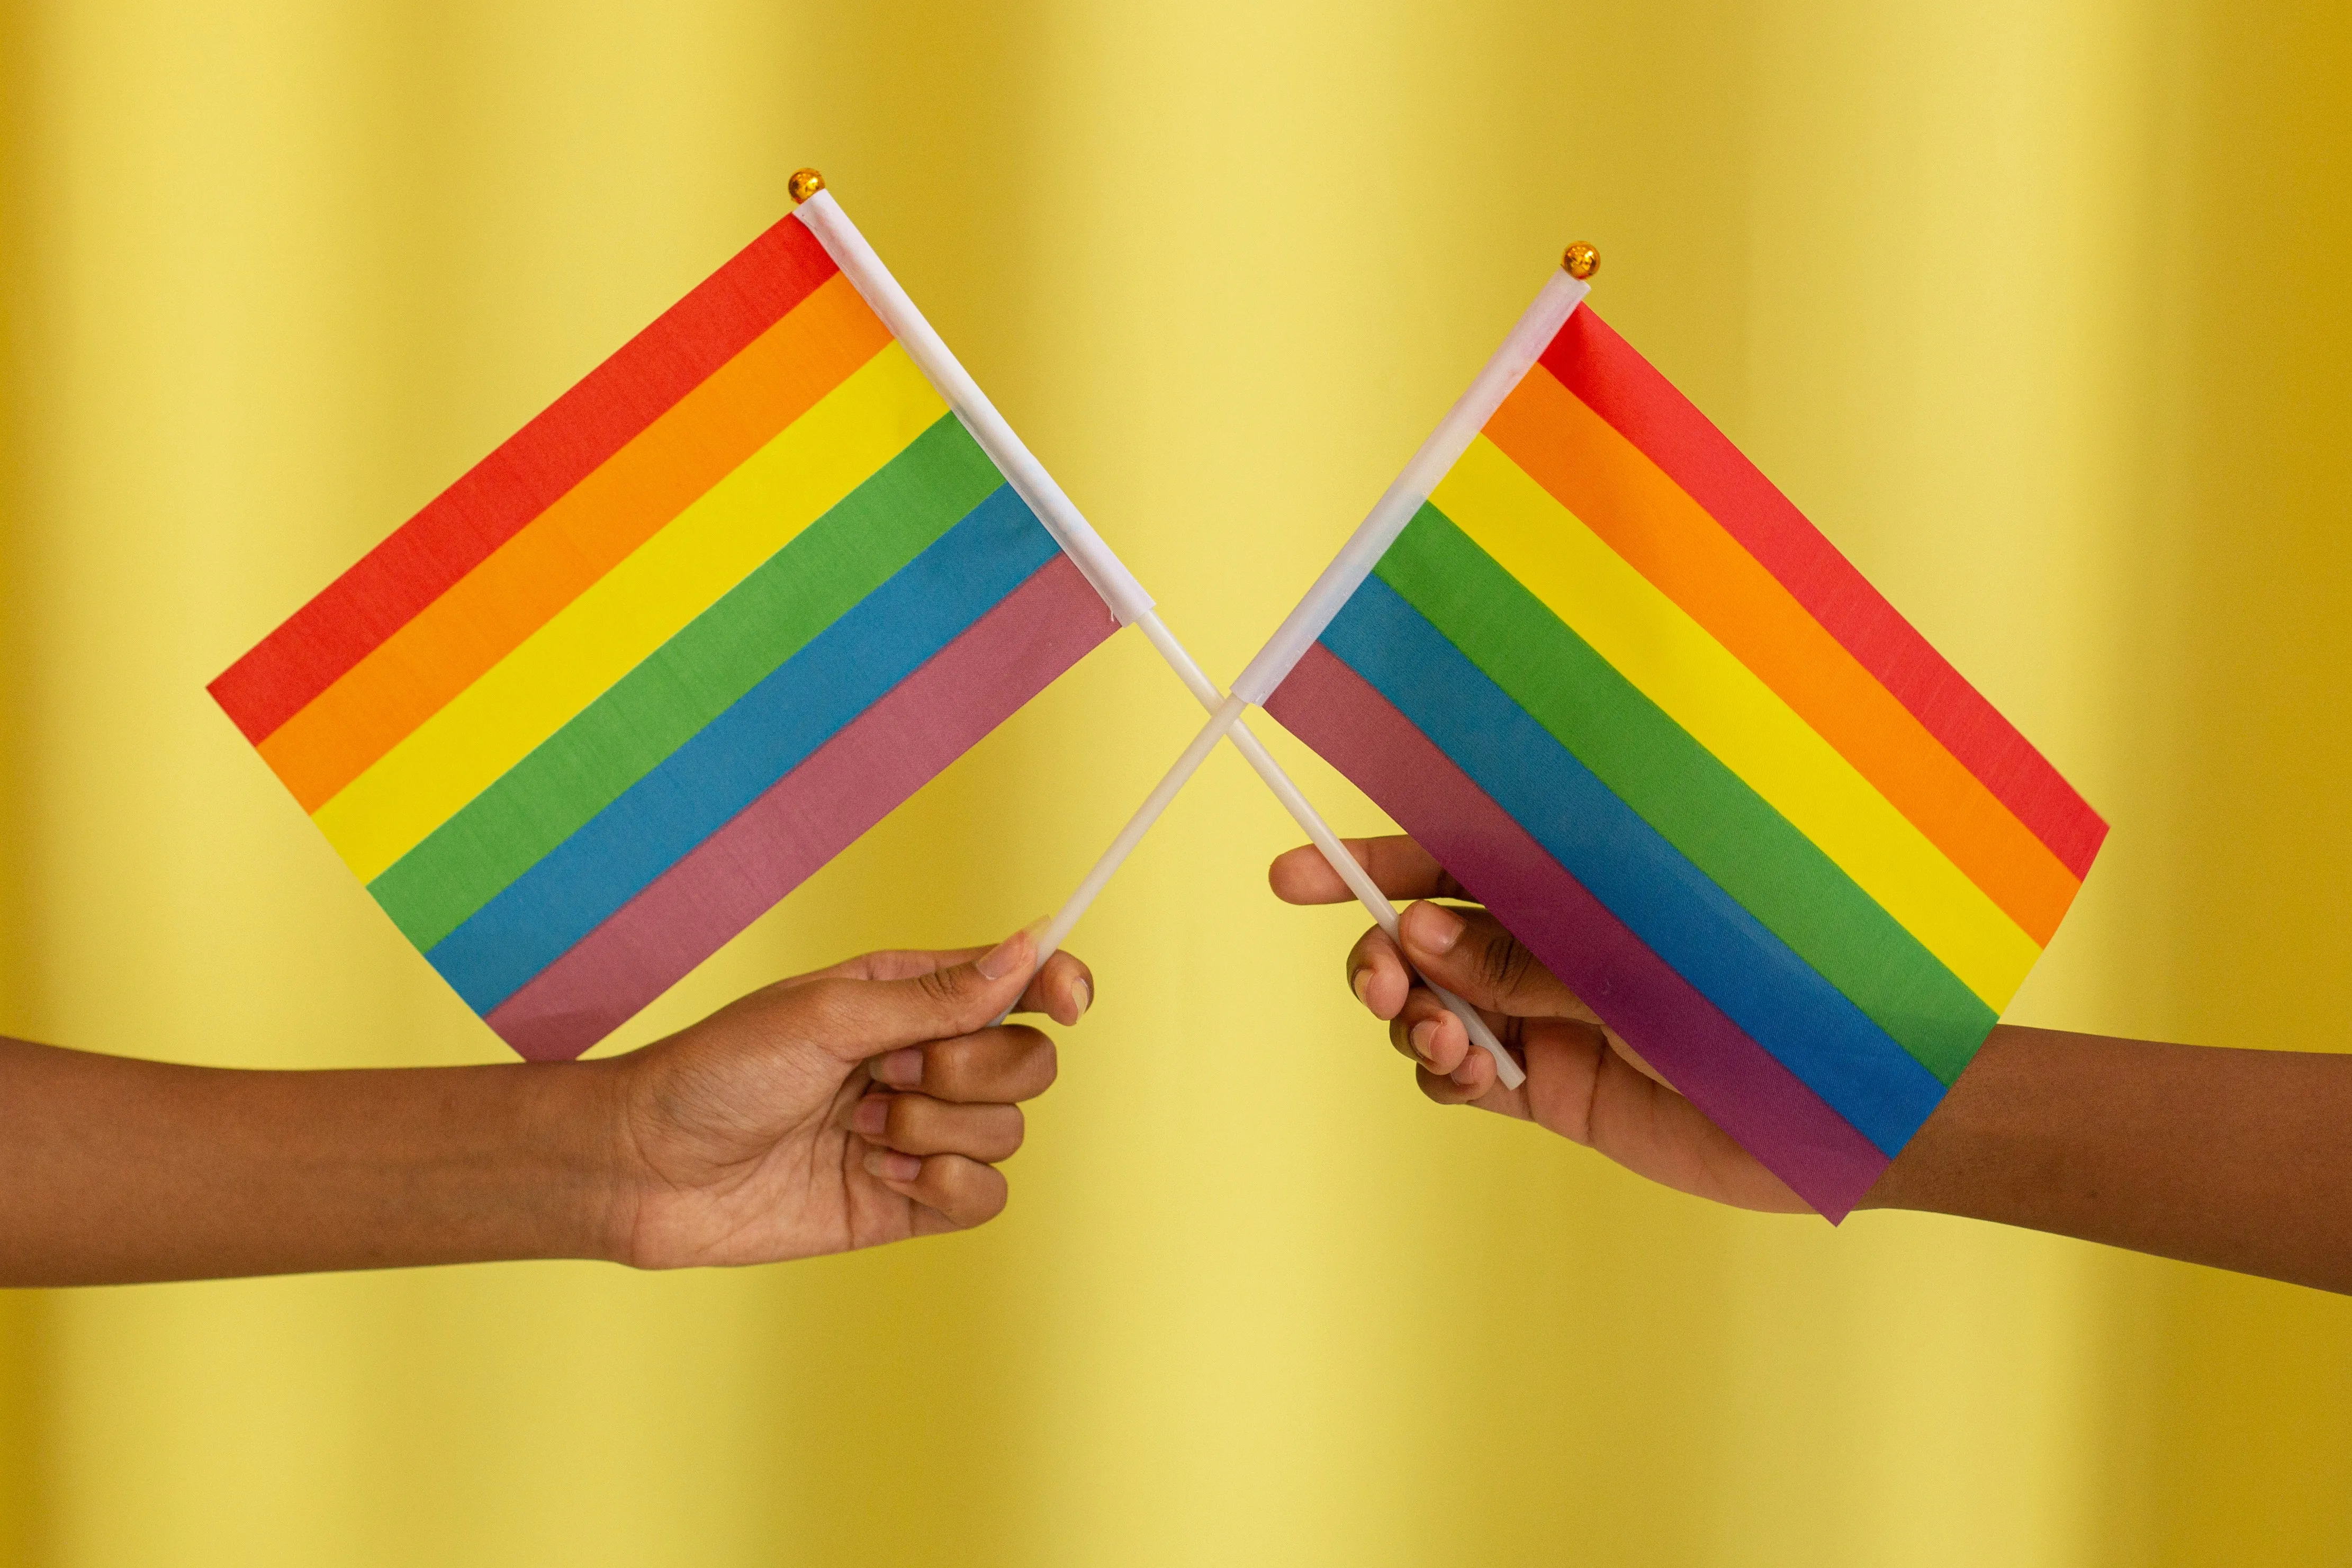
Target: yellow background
{"x":2035,"y":305}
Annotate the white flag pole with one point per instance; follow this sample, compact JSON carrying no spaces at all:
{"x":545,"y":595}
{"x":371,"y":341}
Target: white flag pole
{"x":863,"y":266}
{"x":1228,"y":713}
{"x":1536,"y":327}
{"x":1359,"y":881}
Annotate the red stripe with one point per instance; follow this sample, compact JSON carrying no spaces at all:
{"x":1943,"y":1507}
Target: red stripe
{"x":814,"y":812}
{"x":461,"y":526}
{"x":1740,"y":1086}
{"x":1627,"y":391}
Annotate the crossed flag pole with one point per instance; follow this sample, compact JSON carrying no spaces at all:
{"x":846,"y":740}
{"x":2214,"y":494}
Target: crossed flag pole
{"x":858,"y":258}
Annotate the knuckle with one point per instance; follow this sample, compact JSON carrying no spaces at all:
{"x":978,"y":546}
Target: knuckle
{"x":983,"y":1196}
{"x":1002,"y":1065}
{"x":940,"y":985}
{"x":903,"y":1118}
{"x":947,"y":1186}
{"x":1503,"y":962}
{"x":942,"y":1062}
{"x":949,"y":1065}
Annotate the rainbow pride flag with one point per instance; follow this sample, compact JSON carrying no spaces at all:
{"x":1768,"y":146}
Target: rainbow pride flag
{"x":1637,"y":704}
{"x":679,"y":640}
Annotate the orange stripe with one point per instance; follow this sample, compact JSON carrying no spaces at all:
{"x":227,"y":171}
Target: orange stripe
{"x":1671,"y":539}
{"x":486,"y":614}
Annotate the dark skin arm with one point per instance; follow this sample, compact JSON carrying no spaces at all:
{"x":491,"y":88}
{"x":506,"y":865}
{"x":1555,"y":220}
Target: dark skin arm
{"x":862,"y":1104}
{"x":2239,"y":1159}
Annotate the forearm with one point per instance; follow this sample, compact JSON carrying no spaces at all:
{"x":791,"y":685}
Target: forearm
{"x":2234,"y":1158}
{"x":114,"y":1170}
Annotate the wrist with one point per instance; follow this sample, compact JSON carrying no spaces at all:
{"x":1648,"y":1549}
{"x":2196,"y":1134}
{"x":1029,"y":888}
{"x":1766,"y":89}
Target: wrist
{"x":580,"y":1140}
{"x":1975,"y":1142}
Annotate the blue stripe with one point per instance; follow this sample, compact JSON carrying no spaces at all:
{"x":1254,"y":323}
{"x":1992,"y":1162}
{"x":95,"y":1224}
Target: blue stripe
{"x":738,"y":756}
{"x":1731,"y":958}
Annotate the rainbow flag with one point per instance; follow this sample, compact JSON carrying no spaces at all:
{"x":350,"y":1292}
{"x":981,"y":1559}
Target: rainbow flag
{"x":678,"y":641}
{"x":1641,"y":707}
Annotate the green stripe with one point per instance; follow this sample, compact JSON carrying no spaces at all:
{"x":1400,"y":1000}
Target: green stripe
{"x":1679,"y":787}
{"x":686,"y":682}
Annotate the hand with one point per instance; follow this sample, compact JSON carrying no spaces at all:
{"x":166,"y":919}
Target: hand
{"x":864,"y":1103}
{"x":1583,"y":1081}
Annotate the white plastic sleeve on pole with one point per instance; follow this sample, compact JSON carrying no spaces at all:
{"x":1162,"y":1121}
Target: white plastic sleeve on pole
{"x":1360,"y":882}
{"x":1536,"y":328}
{"x":864,"y":268}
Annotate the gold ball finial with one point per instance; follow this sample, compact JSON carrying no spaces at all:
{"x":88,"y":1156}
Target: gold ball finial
{"x":803,"y":185}
{"x":1581,"y":259}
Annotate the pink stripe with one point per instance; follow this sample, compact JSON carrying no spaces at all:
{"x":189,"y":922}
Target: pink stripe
{"x":811,"y":814}
{"x":1710,"y":1060}
{"x":1616,"y":383}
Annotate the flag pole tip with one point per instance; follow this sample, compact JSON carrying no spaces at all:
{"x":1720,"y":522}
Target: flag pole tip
{"x":805,"y":185}
{"x":1581,"y":259}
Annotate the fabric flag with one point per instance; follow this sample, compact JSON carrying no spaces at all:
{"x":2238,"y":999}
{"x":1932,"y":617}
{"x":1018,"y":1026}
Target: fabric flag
{"x":1637,"y":704}
{"x":677,"y":642}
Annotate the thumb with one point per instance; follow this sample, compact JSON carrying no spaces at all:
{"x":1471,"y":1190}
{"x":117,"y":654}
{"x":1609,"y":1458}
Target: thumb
{"x":862,"y":1018}
{"x":1470,"y":953}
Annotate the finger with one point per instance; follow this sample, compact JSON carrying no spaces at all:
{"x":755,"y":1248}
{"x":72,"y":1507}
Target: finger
{"x":963,"y":1192}
{"x":893,"y":963}
{"x":1476,"y":1073}
{"x":1441,"y":1087}
{"x":1484,"y":1089}
{"x":1063,"y":990}
{"x":1001,"y":1066}
{"x":1470,"y":953}
{"x":1377,"y":974}
{"x":918,"y":1124}
{"x":1427,"y":1032}
{"x":856,"y":1018}
{"x":1399,"y":867}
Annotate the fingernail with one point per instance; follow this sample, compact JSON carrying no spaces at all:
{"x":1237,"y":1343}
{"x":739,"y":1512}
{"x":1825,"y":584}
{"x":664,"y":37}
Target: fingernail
{"x":872,"y":1115}
{"x":998,"y":962}
{"x":1360,"y":982}
{"x":899,"y":1070}
{"x":1436,"y":928}
{"x":1085,"y":993}
{"x":892,"y":1166}
{"x":1423,"y":1037}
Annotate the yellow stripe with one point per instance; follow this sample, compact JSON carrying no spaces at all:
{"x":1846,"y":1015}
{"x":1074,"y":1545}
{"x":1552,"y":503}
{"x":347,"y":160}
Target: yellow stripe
{"x":1703,"y":687}
{"x":632,"y":610}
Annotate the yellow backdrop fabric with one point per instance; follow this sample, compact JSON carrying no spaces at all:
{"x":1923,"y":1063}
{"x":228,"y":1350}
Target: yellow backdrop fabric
{"x":2036,"y":306}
